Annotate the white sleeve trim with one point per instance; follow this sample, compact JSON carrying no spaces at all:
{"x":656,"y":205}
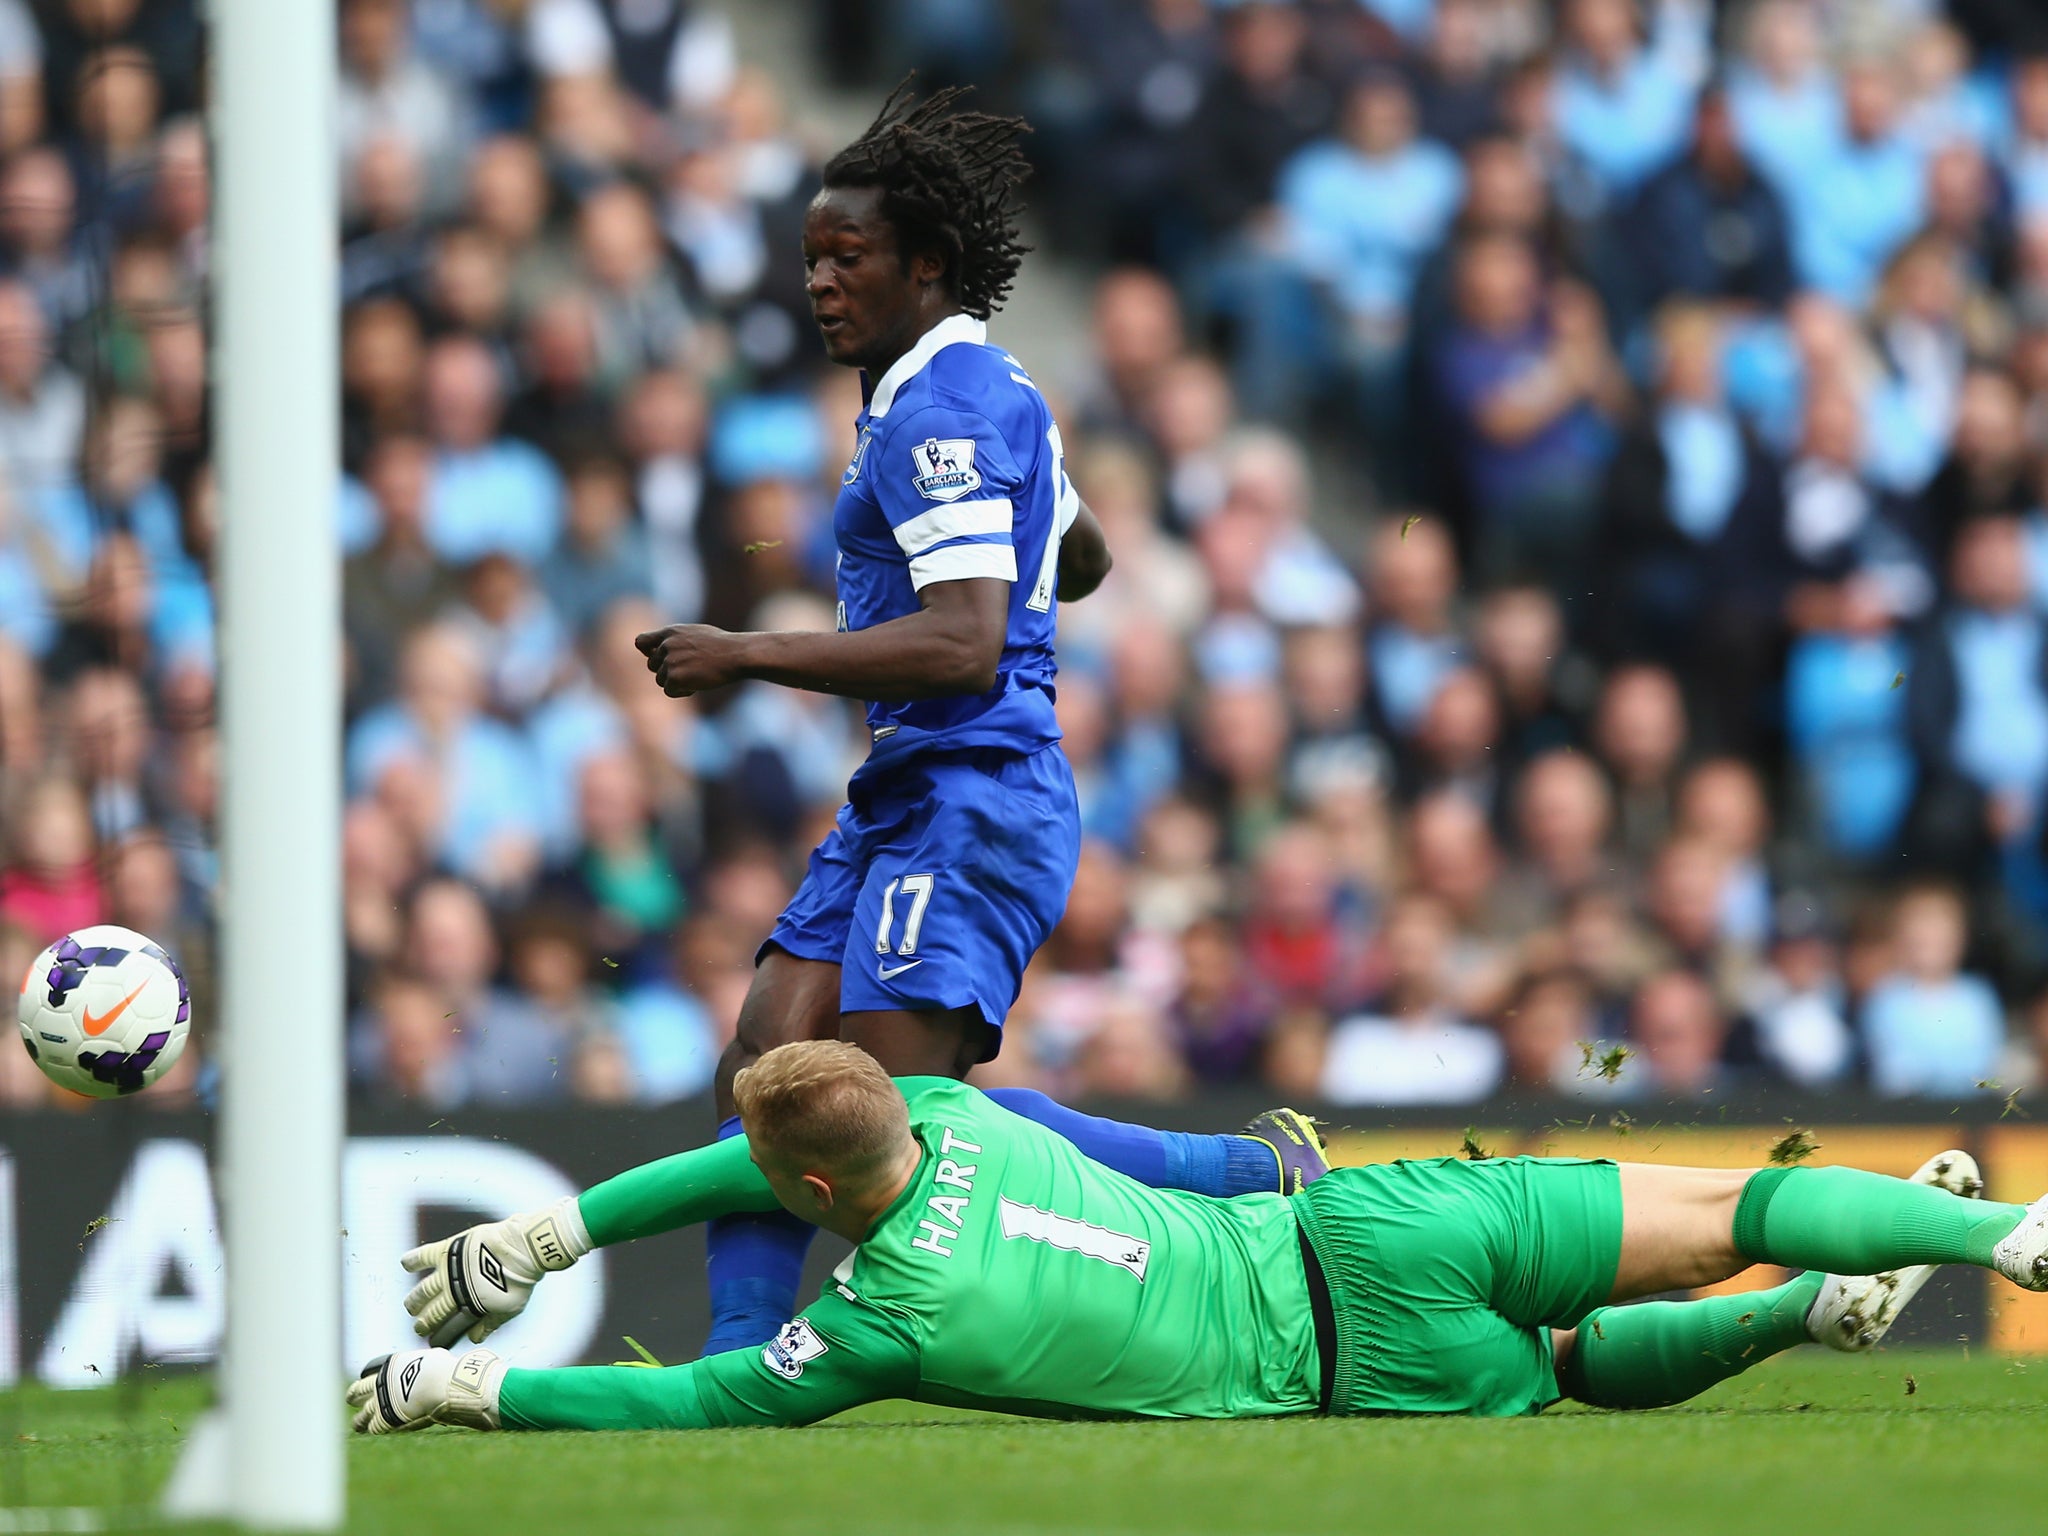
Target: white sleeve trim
{"x":916,"y":535}
{"x":964,"y":562}
{"x":1069,"y":507}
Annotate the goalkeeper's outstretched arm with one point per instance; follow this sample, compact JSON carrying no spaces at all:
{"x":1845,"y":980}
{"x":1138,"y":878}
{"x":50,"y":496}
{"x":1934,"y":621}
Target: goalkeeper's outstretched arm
{"x":475,"y":1281}
{"x":836,"y":1356}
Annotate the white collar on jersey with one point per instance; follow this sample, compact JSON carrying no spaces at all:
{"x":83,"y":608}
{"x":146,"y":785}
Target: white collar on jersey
{"x":949,"y":332}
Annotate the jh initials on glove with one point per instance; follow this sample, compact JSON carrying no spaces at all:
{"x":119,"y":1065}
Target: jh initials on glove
{"x":418,"y":1387}
{"x":479,"y":1279}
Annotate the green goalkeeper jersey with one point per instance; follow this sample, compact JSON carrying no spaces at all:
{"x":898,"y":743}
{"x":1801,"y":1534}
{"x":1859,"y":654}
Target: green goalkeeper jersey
{"x":1012,"y":1273}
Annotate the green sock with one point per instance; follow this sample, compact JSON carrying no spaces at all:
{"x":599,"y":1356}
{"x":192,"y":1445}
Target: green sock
{"x":1848,"y":1222}
{"x":1659,"y":1352}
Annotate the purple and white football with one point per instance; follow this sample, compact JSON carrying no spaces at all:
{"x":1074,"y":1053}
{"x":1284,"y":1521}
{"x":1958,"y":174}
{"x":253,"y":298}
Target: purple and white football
{"x":105,"y":1011}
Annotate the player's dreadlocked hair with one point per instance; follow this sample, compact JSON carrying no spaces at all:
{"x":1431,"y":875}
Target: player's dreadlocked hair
{"x":949,"y":183}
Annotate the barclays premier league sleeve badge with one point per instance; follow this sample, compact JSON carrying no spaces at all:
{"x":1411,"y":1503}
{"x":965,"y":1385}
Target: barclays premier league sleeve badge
{"x":945,"y":468}
{"x":793,"y":1344}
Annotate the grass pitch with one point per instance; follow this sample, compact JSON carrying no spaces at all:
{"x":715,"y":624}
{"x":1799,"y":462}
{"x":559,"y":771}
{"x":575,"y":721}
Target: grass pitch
{"x":1900,"y":1441}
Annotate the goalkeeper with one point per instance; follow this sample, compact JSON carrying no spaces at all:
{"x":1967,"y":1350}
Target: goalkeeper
{"x":997,"y":1267}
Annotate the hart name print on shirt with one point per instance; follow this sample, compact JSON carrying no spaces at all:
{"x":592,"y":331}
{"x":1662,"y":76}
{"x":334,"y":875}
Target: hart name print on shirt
{"x":952,"y":1209}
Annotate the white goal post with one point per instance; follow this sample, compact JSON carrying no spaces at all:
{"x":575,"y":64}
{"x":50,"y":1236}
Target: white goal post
{"x":273,"y":1460}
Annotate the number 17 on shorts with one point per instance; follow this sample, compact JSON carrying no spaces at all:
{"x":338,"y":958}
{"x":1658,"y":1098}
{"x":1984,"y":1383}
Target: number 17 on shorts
{"x":899,"y":954}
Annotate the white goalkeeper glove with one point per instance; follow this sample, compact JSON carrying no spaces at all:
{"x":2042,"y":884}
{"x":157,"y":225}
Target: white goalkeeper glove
{"x":418,"y":1387}
{"x":479,"y":1279}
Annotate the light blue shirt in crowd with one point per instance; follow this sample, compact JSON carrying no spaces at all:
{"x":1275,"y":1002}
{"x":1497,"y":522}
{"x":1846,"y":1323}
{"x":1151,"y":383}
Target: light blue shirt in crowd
{"x":1143,"y":766}
{"x":525,"y":655}
{"x":1932,"y":1038}
{"x":1905,"y":436}
{"x":1785,"y":131}
{"x":1628,"y":126}
{"x":181,"y":624}
{"x":1973,"y":110}
{"x":1765,"y":381}
{"x":1703,"y":458}
{"x":1903,"y":444}
{"x":1364,"y":225}
{"x":1138,"y":767}
{"x":1746,"y":904}
{"x":1407,"y":671}
{"x":2035,"y":528}
{"x":25,"y":616}
{"x":504,"y":496}
{"x":67,"y":518}
{"x":2001,"y":730}
{"x":1847,"y":723}
{"x":181,"y":612}
{"x":565,"y":732}
{"x":1852,"y":210}
{"x":669,"y":1040}
{"x":487,"y":779}
{"x":359,"y":520}
{"x":2027,"y":164}
{"x":1303,"y":582}
{"x":1412,"y":19}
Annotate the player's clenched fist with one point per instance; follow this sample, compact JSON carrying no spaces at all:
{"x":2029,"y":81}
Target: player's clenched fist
{"x":690,"y":658}
{"x":479,"y":1279}
{"x":418,"y":1387}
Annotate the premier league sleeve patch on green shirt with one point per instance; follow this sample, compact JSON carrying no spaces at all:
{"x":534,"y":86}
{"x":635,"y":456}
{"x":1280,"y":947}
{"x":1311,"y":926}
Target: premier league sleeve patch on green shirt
{"x":793,"y":1345}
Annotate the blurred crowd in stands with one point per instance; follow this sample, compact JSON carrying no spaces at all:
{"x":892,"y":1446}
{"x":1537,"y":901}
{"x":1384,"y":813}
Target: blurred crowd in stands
{"x":1577,"y":472}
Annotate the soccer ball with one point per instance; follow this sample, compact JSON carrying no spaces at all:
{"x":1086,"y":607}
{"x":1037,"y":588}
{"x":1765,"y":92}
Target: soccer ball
{"x":105,"y":1011}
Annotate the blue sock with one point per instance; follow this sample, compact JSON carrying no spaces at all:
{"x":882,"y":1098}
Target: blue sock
{"x":1206,"y":1165}
{"x":755,"y":1263}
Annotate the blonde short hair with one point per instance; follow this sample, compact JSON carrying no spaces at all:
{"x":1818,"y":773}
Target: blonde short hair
{"x":823,"y":1105}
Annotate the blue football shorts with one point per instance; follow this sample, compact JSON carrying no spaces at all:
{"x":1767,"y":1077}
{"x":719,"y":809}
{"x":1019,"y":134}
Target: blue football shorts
{"x":940,"y":881}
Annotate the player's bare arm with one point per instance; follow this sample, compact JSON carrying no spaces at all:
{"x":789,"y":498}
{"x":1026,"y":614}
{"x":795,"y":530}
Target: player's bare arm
{"x":1084,"y":557}
{"x":951,"y":645}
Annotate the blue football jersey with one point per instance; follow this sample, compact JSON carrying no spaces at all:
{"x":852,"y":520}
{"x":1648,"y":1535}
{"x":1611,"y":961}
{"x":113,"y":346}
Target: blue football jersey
{"x":958,"y":472}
